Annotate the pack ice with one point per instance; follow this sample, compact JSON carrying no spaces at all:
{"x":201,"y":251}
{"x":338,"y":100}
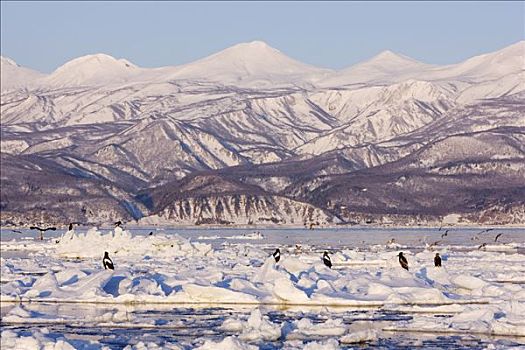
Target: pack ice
{"x":483,"y":290}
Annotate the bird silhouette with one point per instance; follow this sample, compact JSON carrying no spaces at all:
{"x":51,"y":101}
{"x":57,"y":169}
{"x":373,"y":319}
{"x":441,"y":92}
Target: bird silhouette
{"x":483,"y":231}
{"x":277,"y":255}
{"x":42,"y":230}
{"x":437,"y":260}
{"x":326,"y":260}
{"x":444,"y":234}
{"x":403,"y":261}
{"x":107,"y":262}
{"x":497,"y":236}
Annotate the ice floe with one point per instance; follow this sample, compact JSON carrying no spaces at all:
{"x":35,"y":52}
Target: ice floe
{"x":478,"y":291}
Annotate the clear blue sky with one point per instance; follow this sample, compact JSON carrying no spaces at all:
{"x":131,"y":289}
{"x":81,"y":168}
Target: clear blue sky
{"x":44,"y":35}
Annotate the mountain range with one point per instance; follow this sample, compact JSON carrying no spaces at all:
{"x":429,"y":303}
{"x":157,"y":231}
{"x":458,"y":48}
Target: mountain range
{"x":251,"y":136}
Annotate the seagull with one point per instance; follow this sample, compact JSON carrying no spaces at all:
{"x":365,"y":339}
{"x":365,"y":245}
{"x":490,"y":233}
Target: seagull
{"x":42,"y":230}
{"x":497,"y":236}
{"x":403,"y":261}
{"x":487,"y":230}
{"x":326,"y":259}
{"x":277,"y":255}
{"x":444,"y":234}
{"x":106,"y":261}
{"x":437,"y":260}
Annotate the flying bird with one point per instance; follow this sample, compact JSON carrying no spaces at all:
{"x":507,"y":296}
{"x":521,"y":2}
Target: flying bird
{"x":482,"y":246}
{"x":486,"y":230}
{"x":444,"y":234}
{"x":497,"y":236}
{"x":326,"y":259}
{"x":107,"y":262}
{"x":42,"y":230}
{"x":277,"y":255}
{"x":403,"y":261}
{"x":437,"y":260}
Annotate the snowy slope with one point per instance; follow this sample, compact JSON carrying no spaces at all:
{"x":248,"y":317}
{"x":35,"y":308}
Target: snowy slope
{"x":254,"y":64}
{"x":510,"y":84}
{"x":97,"y":69}
{"x":494,"y":65}
{"x":104,"y":118}
{"x":14,"y":76}
{"x":376,"y":114}
{"x":387,"y":66}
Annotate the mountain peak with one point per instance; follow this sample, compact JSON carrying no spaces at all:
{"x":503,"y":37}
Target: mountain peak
{"x":251,"y":61}
{"x":257,"y":44}
{"x":494,"y":65}
{"x":15,"y":76}
{"x":92,"y":69}
{"x":387,"y":66}
{"x":249,"y":50}
{"x":390,"y":57}
{"x":9,"y":62}
{"x":95,"y":61}
{"x":386,"y":54}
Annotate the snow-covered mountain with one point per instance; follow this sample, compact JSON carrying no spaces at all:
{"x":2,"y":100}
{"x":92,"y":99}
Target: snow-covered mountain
{"x":253,"y":64}
{"x":92,"y":70}
{"x":14,"y":76}
{"x":132,"y":129}
{"x":389,"y":67}
{"x":385,"y":67}
{"x":490,"y":66}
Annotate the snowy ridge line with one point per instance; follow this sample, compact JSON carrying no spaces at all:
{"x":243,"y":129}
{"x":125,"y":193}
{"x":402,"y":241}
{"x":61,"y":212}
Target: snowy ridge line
{"x":450,"y":331}
{"x":352,"y":303}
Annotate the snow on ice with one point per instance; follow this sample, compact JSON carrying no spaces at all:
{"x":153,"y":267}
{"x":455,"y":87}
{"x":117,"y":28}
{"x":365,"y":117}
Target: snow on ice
{"x":479,"y":290}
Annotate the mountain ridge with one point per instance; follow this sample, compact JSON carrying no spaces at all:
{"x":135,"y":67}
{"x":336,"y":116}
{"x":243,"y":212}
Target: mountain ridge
{"x":282,"y":142}
{"x":257,"y":64}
